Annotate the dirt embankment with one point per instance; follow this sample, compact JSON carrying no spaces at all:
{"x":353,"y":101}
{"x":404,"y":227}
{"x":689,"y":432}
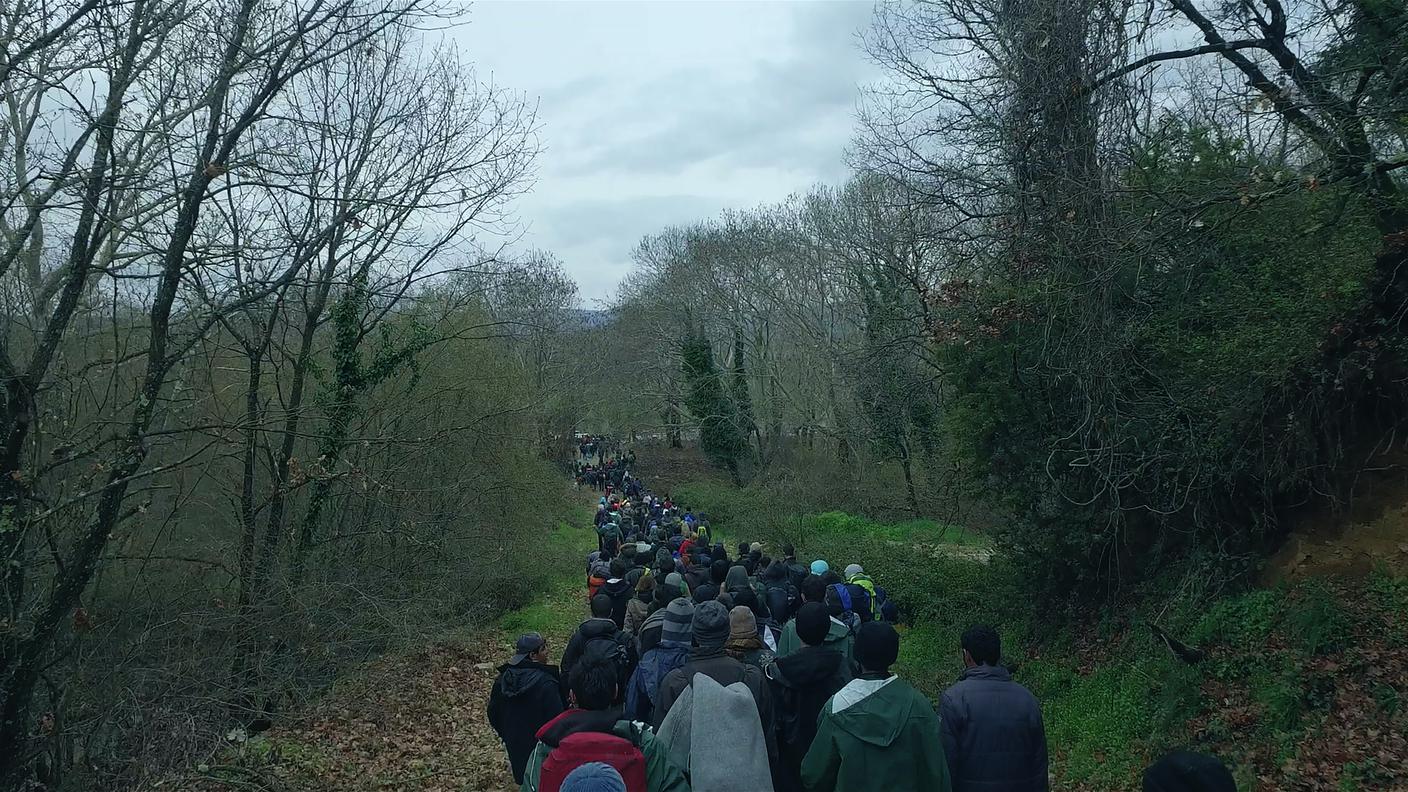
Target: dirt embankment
{"x":1350,"y":540}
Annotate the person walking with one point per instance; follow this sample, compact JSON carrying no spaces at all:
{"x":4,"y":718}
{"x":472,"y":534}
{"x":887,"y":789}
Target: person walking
{"x":877,"y":732}
{"x":527,"y":693}
{"x":992,"y":729}
{"x":801,"y":685}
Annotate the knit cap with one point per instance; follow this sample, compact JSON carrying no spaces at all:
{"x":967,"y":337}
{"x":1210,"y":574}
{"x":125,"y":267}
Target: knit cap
{"x":710,"y":625}
{"x":677,"y":580}
{"x":679,"y":620}
{"x":593,"y":777}
{"x":877,"y":646}
{"x":741,"y":623}
{"x":853,"y":570}
{"x":820,"y":567}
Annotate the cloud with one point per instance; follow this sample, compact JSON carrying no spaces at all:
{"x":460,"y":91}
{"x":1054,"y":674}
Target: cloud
{"x":666,"y":113}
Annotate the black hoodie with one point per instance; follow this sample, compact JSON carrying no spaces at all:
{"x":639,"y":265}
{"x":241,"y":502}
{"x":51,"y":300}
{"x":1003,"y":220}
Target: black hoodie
{"x":801,"y":684}
{"x":590,"y":630}
{"x":620,"y":591}
{"x":525,"y":697}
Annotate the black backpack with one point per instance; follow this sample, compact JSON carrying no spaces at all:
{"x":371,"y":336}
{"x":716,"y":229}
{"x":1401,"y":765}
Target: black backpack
{"x":613,"y":649}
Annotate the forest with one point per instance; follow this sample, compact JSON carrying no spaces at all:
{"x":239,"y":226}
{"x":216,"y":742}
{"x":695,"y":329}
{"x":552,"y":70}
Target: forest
{"x":1118,"y":285}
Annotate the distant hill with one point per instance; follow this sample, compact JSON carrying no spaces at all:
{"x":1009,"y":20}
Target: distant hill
{"x":588,"y":319}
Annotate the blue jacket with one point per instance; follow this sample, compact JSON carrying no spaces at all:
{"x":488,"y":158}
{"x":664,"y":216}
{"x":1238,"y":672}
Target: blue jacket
{"x":643,"y":689}
{"x":992,"y":733}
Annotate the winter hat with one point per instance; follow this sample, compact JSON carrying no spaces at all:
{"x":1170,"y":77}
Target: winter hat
{"x":601,"y":569}
{"x":593,"y":777}
{"x":679,"y":618}
{"x":1185,"y":771}
{"x":853,"y":570}
{"x":737,"y":578}
{"x":813,"y":623}
{"x":705,"y":592}
{"x":756,"y":547}
{"x":710,"y":625}
{"x":877,"y":646}
{"x":741,"y":624}
{"x":820,"y":567}
{"x":677,"y":580}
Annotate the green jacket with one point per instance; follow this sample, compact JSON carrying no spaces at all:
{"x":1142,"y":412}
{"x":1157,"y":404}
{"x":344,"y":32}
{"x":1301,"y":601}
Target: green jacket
{"x":887,"y":739}
{"x":840,"y":637}
{"x":661,"y":775}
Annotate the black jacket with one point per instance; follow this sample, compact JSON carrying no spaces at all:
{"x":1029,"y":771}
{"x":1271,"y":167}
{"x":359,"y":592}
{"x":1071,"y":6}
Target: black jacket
{"x":802,"y":683}
{"x":993,"y":735}
{"x":590,"y":630}
{"x":525,"y":697}
{"x":620,"y":591}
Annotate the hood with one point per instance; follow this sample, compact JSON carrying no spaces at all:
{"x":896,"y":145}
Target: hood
{"x":879,"y":711}
{"x":997,"y":673}
{"x":597,"y":628}
{"x":574,"y":721}
{"x":810,"y":666}
{"x":737,"y":579}
{"x":838,"y":632}
{"x":515,"y":680}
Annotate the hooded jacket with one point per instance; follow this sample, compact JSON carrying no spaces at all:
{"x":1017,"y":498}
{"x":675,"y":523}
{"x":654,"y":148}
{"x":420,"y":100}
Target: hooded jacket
{"x":724,"y":670}
{"x":661,"y":775}
{"x":637,"y":610}
{"x":993,"y":733}
{"x":589,"y":630}
{"x":876,"y":734}
{"x":801,"y":685}
{"x":840,"y":637}
{"x":525,"y":697}
{"x":621,"y":593}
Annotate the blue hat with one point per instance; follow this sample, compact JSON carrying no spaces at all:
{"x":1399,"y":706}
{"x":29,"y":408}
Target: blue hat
{"x":594,"y":777}
{"x":820,"y":567}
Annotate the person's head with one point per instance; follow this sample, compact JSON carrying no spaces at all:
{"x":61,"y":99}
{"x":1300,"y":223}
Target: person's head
{"x":601,"y":607}
{"x":529,"y":646}
{"x":813,"y":623}
{"x":592,"y":683}
{"x":710,"y":625}
{"x":678,"y":625}
{"x":742,"y":549}
{"x":813,"y":589}
{"x":718,"y":571}
{"x":645,"y":586}
{"x":593,"y":777}
{"x":788,"y":551}
{"x":764,"y":562}
{"x":820,"y":567}
{"x":674,"y":582}
{"x":747,"y":598}
{"x":852,"y":570}
{"x":776,"y":572}
{"x":1185,"y":771}
{"x":981,"y":646}
{"x":618,"y":567}
{"x":742,"y":624}
{"x":756,"y":547}
{"x":877,"y":647}
{"x":705,"y":592}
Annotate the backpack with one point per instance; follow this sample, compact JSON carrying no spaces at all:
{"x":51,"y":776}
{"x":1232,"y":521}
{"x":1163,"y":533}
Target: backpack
{"x":605,"y":648}
{"x":854,"y":599}
{"x":581,"y":748}
{"x":881,"y":609}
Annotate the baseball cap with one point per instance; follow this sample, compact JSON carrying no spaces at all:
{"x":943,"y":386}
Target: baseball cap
{"x":527,"y":644}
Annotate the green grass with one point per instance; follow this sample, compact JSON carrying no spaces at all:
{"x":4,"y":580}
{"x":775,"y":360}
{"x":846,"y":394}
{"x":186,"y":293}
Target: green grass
{"x":560,"y":604}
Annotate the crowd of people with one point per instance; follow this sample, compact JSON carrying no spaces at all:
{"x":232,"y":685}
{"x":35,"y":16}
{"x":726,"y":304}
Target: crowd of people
{"x":703,"y":670}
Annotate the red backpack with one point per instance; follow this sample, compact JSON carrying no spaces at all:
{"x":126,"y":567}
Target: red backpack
{"x":581,"y":748}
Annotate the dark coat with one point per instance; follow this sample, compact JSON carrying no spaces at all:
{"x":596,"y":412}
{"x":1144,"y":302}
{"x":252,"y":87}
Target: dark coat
{"x":525,"y":697}
{"x":993,"y":734}
{"x":620,"y":591}
{"x":801,"y":684}
{"x":590,"y":629}
{"x":726,"y":671}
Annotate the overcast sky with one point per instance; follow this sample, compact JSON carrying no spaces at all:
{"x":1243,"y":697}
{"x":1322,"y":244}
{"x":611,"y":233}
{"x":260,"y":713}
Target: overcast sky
{"x":657,"y":113}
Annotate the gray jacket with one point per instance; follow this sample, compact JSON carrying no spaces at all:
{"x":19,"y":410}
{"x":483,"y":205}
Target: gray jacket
{"x":992,"y":733}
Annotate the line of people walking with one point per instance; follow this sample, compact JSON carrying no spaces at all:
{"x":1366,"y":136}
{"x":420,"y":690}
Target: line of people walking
{"x":698,"y":670}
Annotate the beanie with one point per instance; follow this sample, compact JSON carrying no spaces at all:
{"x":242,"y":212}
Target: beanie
{"x":813,"y":623}
{"x":705,"y":592}
{"x":677,"y":580}
{"x":741,"y":624}
{"x":679,"y":619}
{"x":820,"y":567}
{"x":1185,"y":771}
{"x":593,"y":777}
{"x":710,"y":625}
{"x":853,"y":570}
{"x":877,"y":646}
